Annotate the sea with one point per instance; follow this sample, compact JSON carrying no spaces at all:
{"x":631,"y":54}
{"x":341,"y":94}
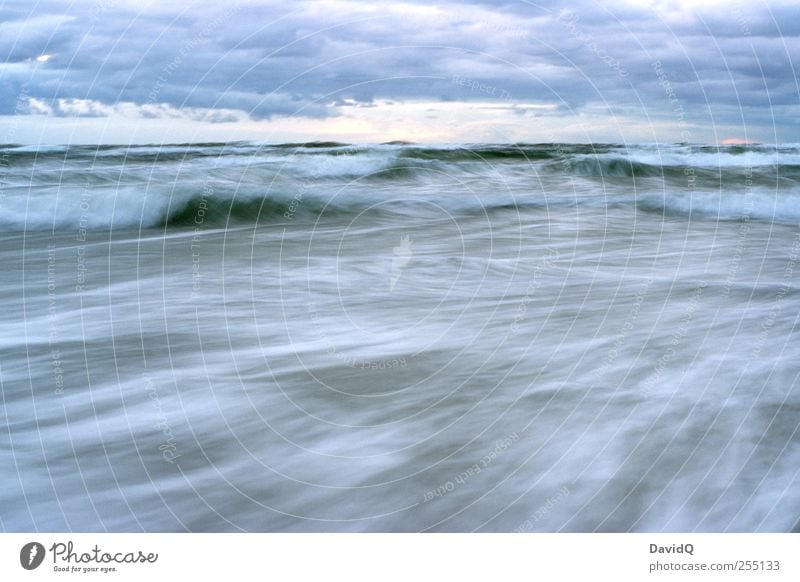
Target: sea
{"x":330,"y":337}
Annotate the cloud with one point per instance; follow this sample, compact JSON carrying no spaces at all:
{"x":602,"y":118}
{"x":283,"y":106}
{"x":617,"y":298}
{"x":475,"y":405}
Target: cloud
{"x":726,"y":64}
{"x":130,"y":110}
{"x":23,"y":36}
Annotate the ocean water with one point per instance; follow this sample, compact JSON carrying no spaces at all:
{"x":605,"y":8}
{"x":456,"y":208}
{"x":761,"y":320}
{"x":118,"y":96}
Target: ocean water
{"x":397,"y":337}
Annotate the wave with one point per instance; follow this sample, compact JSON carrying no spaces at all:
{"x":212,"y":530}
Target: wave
{"x":755,"y":205}
{"x":201,"y":210}
{"x":108,"y":186}
{"x":595,"y":159}
{"x":126,"y":210}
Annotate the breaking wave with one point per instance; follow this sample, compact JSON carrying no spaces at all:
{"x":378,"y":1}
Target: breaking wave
{"x":102,"y":187}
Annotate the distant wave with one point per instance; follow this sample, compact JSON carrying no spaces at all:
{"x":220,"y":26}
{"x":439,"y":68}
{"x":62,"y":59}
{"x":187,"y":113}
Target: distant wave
{"x":101,"y":187}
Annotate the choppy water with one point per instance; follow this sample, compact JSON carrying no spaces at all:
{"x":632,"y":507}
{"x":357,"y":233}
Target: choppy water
{"x":327,"y":337}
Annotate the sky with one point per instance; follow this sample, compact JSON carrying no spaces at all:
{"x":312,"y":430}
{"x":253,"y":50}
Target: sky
{"x":142,"y":71}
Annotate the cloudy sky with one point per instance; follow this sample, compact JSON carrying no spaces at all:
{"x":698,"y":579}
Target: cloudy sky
{"x":125,"y":71}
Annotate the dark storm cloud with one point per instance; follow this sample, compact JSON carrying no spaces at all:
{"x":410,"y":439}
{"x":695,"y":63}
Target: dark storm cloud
{"x":721,"y":64}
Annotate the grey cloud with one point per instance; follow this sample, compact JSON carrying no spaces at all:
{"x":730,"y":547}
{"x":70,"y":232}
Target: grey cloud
{"x":301,"y":59}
